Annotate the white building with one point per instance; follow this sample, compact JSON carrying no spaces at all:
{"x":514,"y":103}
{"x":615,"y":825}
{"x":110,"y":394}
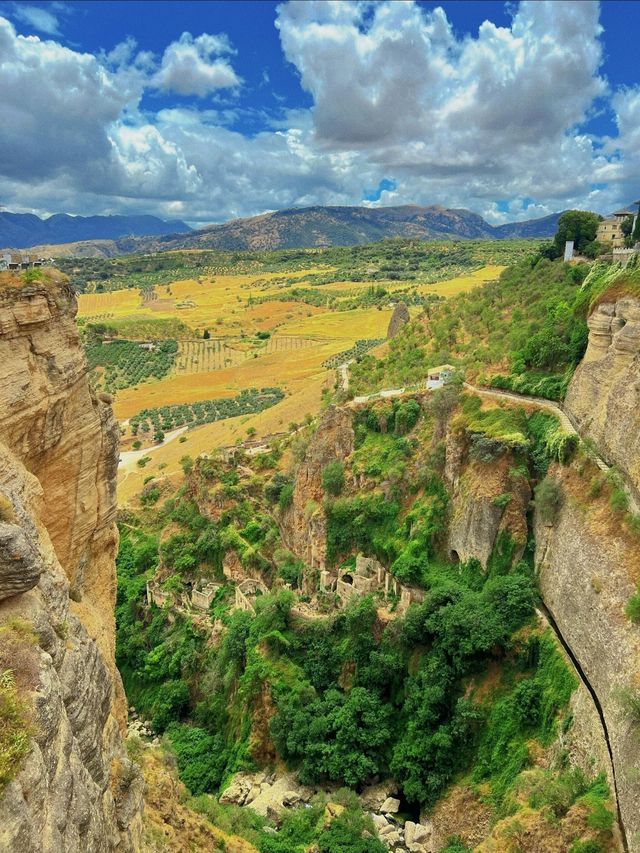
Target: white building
{"x":439,"y":376}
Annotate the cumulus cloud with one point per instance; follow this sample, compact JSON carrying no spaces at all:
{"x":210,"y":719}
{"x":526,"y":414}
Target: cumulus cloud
{"x":404,"y":111}
{"x":195,"y":66}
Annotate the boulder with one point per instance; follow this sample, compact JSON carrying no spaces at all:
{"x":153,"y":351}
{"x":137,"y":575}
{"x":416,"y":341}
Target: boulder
{"x":291,"y":798}
{"x":374,"y":796}
{"x":390,"y":806}
{"x":20,"y":563}
{"x":235,"y":793}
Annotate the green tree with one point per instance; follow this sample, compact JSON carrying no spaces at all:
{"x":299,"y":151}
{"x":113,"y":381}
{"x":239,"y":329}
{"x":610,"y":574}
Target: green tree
{"x":333,"y":477}
{"x":581,"y":226}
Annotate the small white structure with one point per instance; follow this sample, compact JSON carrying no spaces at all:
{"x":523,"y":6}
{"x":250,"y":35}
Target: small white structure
{"x":568,"y":250}
{"x":439,"y":376}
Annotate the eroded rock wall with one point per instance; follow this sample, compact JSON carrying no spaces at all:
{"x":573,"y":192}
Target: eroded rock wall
{"x":76,"y":790}
{"x":604,"y":395}
{"x":304,"y":525}
{"x":487,"y":498}
{"x":588,"y":567}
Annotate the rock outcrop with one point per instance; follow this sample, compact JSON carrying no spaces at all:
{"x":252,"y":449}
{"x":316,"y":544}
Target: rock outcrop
{"x":604,"y":395}
{"x":76,"y":789}
{"x":487,"y":499}
{"x":588,"y":567}
{"x":399,"y":318}
{"x":304,"y":524}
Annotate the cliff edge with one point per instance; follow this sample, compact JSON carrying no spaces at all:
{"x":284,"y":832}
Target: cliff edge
{"x":604,"y":395}
{"x":71,"y":786}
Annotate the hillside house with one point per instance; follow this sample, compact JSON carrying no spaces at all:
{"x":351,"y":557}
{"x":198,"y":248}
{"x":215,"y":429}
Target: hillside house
{"x":439,"y":376}
{"x":610,"y":229}
{"x":18,"y":261}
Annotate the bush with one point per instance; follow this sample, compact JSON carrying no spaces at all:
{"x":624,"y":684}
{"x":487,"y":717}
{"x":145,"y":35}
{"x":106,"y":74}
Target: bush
{"x":286,"y":497}
{"x":548,"y":499}
{"x":15,"y":730}
{"x":333,"y":478}
{"x":632,"y":609}
{"x":201,"y":757}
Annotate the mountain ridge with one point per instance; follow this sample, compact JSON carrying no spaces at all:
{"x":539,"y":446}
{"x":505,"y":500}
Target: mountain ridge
{"x":321,"y":226}
{"x":24,"y":230}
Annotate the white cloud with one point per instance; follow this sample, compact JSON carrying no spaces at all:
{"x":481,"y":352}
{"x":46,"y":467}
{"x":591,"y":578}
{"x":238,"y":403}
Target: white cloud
{"x":194,"y":66}
{"x":397,"y":95}
{"x":42,"y":20}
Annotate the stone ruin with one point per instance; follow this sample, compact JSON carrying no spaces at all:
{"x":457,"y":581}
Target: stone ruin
{"x":369,"y":576}
{"x":246,"y":593}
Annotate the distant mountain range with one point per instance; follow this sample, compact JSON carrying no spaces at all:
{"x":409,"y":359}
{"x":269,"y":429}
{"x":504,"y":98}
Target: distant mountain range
{"x":307,"y":227}
{"x":22,"y":230}
{"x":296,"y":228}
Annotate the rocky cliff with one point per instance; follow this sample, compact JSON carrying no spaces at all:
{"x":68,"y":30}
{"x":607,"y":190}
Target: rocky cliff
{"x":489,"y":502}
{"x":304,"y":524}
{"x":75,"y":789}
{"x":588,"y":566}
{"x":604,"y":395}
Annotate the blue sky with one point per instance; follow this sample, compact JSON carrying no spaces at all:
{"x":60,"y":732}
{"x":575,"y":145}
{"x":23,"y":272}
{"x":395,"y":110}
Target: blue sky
{"x":211,"y":110}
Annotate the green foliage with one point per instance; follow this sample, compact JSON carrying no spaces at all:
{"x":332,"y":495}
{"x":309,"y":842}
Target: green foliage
{"x":333,"y":478}
{"x":529,"y":709}
{"x":365,"y":522}
{"x":247,"y":402}
{"x":201,"y":757}
{"x":15,"y":728}
{"x":286,"y":497}
{"x":586,"y":846}
{"x":548,"y":499}
{"x":533,"y":318}
{"x":581,"y":226}
{"x":358,"y":349}
{"x":128,"y":363}
{"x":455,"y":845}
{"x":632,"y":608}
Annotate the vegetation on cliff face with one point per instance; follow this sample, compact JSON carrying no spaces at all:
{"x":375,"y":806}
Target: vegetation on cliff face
{"x":464,"y":686}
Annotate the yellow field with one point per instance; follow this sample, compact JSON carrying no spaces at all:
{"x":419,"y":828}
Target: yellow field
{"x":283,"y":368}
{"x":462,"y":283}
{"x":359,"y":323}
{"x":302,"y":338}
{"x":117,"y":303}
{"x":201,"y":356}
{"x":304,"y":399}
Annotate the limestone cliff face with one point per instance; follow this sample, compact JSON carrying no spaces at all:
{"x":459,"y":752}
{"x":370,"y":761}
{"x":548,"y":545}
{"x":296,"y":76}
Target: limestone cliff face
{"x":486,"y":499}
{"x":604,"y":394}
{"x":588,"y":567}
{"x":304,"y":525}
{"x":76,"y":789}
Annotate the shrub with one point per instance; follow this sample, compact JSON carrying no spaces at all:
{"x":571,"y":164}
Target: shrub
{"x":548,"y":499}
{"x":632,"y":609}
{"x":586,"y":846}
{"x":201,"y":757}
{"x":7,"y":512}
{"x":286,"y":497}
{"x":333,"y":478}
{"x":15,"y":729}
